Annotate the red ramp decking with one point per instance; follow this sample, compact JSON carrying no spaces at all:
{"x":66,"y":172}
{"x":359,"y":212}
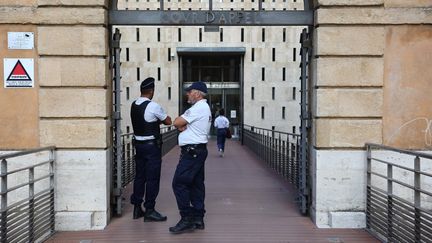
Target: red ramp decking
{"x":245,"y":201}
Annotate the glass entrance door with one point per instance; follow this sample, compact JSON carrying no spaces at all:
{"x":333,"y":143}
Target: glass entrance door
{"x":222,"y":76}
{"x":215,"y":101}
{"x":227,"y":99}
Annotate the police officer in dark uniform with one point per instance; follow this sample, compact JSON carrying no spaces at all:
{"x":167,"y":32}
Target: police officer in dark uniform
{"x":188,"y":181}
{"x":146,"y":117}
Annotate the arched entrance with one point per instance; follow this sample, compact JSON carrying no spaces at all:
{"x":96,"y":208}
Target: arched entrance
{"x":215,"y":73}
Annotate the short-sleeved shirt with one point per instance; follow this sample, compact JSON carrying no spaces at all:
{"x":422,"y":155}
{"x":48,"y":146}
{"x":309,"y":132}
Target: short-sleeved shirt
{"x":199,"y":120}
{"x":221,"y":122}
{"x":153,"y":112}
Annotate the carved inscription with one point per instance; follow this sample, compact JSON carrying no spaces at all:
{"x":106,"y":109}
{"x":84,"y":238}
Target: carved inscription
{"x":212,"y":18}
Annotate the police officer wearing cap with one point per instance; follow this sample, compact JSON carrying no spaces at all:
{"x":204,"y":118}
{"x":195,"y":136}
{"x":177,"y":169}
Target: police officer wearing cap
{"x":146,"y":117}
{"x":188,"y":183}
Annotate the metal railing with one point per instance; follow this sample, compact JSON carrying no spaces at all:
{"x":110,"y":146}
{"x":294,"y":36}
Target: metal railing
{"x":279,"y":149}
{"x":169,"y":140}
{"x":27,"y":196}
{"x":127,"y":163}
{"x":399,"y":194}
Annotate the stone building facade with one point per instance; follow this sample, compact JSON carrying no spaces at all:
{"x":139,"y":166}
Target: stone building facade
{"x":69,"y":105}
{"x":370,"y":82}
{"x":370,"y":73}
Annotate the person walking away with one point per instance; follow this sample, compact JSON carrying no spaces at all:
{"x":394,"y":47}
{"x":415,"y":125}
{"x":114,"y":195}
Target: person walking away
{"x":188,"y":182}
{"x":221,"y":123}
{"x":146,"y":117}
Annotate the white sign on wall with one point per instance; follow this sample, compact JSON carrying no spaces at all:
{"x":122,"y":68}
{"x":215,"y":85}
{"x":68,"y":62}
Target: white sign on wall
{"x":233,"y":113}
{"x":18,"y":72}
{"x":21,"y":40}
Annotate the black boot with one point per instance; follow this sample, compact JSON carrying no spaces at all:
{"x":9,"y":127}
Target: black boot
{"x":185,"y":224}
{"x":199,"y":223}
{"x":137,"y":212}
{"x":152,"y":215}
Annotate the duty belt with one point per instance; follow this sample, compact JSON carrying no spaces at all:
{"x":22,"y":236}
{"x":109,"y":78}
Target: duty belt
{"x":150,"y":142}
{"x":194,"y":146}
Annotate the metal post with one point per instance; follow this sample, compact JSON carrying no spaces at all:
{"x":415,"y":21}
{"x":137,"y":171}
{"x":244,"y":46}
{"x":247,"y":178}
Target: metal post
{"x":31,"y":205}
{"x":161,"y":4}
{"x":417,"y":200}
{"x":368,"y":184}
{"x":305,"y":44}
{"x":279,"y":154}
{"x":260,"y":5}
{"x":3,"y":213}
{"x":284,"y":159}
{"x":117,"y":121}
{"x":242,"y":134}
{"x":210,"y":5}
{"x":308,"y":4}
{"x":52,"y":191}
{"x":266,"y":145}
{"x":389,"y":203}
{"x":113,"y":5}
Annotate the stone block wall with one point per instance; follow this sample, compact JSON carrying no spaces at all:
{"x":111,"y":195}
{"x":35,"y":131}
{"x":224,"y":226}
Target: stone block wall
{"x":371,"y":78}
{"x":69,"y":107}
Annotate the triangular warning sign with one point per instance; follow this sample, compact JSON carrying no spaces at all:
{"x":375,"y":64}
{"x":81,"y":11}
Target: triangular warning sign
{"x":18,"y":73}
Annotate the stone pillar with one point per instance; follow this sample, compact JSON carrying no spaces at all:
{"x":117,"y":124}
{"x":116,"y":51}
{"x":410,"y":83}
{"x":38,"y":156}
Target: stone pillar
{"x":371,"y":79}
{"x":69,"y":107}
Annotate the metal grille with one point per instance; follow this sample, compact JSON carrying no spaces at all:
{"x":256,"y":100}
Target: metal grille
{"x":27,"y":196}
{"x":128,"y":159}
{"x":116,"y":120}
{"x":279,"y":149}
{"x":399,"y":194}
{"x":127,"y":162}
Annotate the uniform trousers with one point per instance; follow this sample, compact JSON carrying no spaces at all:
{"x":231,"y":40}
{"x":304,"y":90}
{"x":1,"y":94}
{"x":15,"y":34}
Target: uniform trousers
{"x":147,"y":174}
{"x":188,"y":181}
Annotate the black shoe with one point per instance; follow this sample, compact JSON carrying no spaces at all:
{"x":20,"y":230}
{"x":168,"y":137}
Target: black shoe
{"x":152,"y":215}
{"x":184,"y":225}
{"x":137,"y":212}
{"x":199,"y":223}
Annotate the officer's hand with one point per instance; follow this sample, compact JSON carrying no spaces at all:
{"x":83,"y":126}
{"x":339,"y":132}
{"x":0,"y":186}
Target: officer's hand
{"x":181,"y":129}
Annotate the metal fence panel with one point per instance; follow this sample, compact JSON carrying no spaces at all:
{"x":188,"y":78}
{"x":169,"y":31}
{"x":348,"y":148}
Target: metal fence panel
{"x":27,"y":195}
{"x":399,"y":194}
{"x":279,"y":150}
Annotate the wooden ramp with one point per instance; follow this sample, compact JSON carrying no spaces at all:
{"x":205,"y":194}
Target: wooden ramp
{"x":245,"y":202}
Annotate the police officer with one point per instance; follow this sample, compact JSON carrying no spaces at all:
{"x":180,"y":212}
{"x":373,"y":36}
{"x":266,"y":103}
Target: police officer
{"x":188,"y":182}
{"x":146,"y":117}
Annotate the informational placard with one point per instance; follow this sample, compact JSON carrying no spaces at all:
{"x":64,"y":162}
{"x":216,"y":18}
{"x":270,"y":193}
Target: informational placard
{"x":20,"y":40}
{"x":18,"y":72}
{"x":233,"y":114}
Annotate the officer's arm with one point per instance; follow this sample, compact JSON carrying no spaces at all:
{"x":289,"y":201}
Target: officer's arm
{"x":180,"y":123}
{"x":167,"y":121}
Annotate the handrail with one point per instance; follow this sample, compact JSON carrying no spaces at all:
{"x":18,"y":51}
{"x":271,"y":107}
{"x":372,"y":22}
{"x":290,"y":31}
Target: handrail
{"x":26,"y":152}
{"x":26,"y":168}
{"x":269,"y":130}
{"x":381,"y":146}
{"x":162,"y":131}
